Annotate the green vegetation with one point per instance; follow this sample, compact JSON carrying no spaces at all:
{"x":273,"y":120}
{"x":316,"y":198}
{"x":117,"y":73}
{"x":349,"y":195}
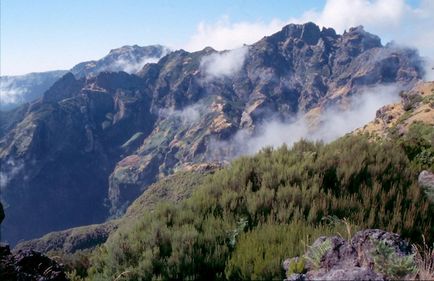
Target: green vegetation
{"x":259,"y":253}
{"x":242,"y":221}
{"x":418,"y":144}
{"x":391,"y":264}
{"x":315,"y":253}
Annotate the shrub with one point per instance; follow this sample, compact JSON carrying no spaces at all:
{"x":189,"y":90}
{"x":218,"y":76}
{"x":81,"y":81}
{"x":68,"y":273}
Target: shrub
{"x":392,"y":265}
{"x":245,"y":219}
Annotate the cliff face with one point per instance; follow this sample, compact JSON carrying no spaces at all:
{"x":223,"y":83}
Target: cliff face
{"x":92,"y":145}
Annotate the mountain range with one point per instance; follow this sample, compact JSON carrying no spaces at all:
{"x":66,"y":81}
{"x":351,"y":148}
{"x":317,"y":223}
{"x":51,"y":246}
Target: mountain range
{"x":20,"y":89}
{"x":96,"y":139}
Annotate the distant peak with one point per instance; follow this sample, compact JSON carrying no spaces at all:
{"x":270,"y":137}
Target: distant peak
{"x":135,"y":47}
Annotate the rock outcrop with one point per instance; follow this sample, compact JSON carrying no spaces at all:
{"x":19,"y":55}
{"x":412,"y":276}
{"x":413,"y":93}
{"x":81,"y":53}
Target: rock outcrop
{"x":28,"y":266}
{"x":365,"y":257}
{"x":92,"y":145}
{"x":426,"y":179}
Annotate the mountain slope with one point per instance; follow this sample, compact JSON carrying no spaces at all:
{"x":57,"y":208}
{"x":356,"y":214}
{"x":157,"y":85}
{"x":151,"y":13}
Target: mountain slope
{"x":17,"y":90}
{"x":417,"y":105}
{"x":92,"y":145}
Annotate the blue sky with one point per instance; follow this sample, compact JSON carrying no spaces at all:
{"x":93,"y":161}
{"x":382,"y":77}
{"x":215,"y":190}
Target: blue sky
{"x":48,"y":34}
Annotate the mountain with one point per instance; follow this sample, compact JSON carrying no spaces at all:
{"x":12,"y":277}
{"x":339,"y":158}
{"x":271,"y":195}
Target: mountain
{"x":412,"y":129}
{"x":130,"y":59}
{"x":17,"y":90}
{"x":92,"y":145}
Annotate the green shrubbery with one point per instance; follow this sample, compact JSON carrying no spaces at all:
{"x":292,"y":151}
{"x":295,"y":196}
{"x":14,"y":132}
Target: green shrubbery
{"x":245,"y":219}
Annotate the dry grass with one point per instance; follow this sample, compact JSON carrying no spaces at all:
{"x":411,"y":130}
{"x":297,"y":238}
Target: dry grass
{"x":424,"y":258}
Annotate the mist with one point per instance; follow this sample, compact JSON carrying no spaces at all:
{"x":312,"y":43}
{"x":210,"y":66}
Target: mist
{"x":188,"y":115}
{"x":223,"y":64}
{"x":9,"y":93}
{"x":8,"y":170}
{"x":334,"y":122}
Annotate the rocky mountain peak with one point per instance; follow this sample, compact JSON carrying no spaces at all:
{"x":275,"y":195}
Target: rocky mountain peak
{"x":130,"y":59}
{"x":358,"y":37}
{"x":65,"y":87}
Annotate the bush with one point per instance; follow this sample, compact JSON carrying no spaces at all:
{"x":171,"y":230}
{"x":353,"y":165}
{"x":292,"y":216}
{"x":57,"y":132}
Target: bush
{"x":260,"y":252}
{"x":388,"y":262}
{"x":245,"y":219}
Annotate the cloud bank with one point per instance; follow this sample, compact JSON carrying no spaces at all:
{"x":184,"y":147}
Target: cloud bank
{"x":224,"y":64}
{"x":333,"y":123}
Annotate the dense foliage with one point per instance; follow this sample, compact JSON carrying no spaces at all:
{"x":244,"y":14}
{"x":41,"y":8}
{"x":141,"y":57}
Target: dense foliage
{"x":245,"y":219}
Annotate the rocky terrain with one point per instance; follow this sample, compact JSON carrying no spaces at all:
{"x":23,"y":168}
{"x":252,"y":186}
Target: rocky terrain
{"x":21,"y":89}
{"x":91,"y":145}
{"x":27,"y":265}
{"x":371,"y":254}
{"x":416,"y":105}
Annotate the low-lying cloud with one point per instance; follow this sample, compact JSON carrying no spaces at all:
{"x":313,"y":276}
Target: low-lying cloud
{"x":187,"y":115}
{"x":223,"y":64}
{"x":128,"y":62}
{"x":9,"y":93}
{"x":8,"y":170}
{"x":333,"y":123}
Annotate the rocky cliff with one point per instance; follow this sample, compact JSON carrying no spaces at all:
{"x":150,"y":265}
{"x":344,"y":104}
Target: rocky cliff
{"x":92,"y":145}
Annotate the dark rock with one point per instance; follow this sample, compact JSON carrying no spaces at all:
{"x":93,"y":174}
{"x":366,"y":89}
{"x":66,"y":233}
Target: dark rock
{"x":28,"y":266}
{"x":65,"y":87}
{"x":362,"y":241}
{"x":310,"y":33}
{"x":2,"y":213}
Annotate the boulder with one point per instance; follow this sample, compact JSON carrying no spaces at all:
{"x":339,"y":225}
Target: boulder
{"x":334,"y":258}
{"x":426,"y":179}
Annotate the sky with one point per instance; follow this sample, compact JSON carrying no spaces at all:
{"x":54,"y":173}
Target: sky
{"x":47,"y":35}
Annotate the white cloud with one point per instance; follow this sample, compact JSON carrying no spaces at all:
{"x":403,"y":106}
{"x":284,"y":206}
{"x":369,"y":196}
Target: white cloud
{"x":131,"y":67}
{"x":224,"y":34}
{"x":187,"y":115}
{"x":8,"y":171}
{"x":127,"y":62}
{"x":223,"y":64}
{"x":343,"y":14}
{"x":9,"y":93}
{"x":334,"y":122}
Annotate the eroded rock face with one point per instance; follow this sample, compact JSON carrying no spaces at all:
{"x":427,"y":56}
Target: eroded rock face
{"x":92,"y":145}
{"x":350,"y":260}
{"x":28,"y":266}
